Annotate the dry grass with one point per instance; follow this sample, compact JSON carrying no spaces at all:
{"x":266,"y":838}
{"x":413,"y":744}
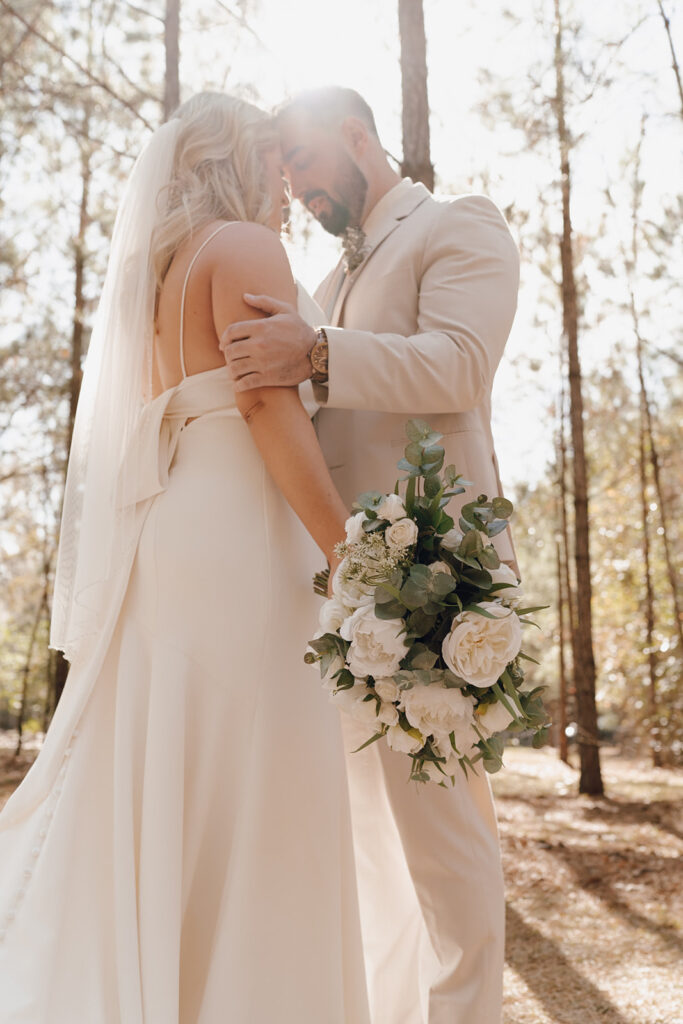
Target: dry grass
{"x":595,"y":889}
{"x":595,"y":892}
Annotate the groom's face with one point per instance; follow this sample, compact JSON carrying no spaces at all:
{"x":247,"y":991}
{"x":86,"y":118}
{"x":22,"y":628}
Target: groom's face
{"x":322,"y":174}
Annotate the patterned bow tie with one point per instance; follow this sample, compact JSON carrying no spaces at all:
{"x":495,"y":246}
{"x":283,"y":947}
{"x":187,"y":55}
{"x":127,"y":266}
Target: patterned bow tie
{"x":355,"y":249}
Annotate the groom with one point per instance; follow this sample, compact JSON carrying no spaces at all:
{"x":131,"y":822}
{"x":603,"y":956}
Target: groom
{"x":419,"y":310}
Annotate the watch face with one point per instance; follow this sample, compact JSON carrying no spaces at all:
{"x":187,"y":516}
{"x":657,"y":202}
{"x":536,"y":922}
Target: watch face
{"x":319,"y":357}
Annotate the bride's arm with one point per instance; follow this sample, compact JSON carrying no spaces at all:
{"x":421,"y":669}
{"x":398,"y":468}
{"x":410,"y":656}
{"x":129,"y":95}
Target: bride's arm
{"x":250,"y":258}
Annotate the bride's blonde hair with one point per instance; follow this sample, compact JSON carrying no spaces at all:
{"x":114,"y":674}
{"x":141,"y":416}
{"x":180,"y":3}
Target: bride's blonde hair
{"x":218,"y":172}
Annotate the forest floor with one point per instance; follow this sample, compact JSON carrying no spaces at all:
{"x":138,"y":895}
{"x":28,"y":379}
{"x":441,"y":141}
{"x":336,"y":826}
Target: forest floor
{"x":594,"y":888}
{"x":594,"y":891}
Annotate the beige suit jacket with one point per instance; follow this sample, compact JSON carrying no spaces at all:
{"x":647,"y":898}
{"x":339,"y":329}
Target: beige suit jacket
{"x":418,"y":330}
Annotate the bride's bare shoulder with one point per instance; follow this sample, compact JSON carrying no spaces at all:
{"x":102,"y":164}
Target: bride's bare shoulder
{"x":243,"y":244}
{"x":248,"y":257}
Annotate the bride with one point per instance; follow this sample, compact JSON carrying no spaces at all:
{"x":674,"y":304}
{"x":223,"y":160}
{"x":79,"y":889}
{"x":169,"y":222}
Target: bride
{"x":180,"y":851}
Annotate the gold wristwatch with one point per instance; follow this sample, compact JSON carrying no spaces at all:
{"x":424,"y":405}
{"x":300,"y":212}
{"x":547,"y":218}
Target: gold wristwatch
{"x":318,"y":357}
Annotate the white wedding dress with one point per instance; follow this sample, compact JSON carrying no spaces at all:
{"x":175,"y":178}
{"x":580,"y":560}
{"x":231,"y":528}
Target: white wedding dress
{"x":180,"y":852}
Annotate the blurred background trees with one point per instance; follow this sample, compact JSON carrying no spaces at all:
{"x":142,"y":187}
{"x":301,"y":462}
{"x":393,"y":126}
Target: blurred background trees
{"x":571,"y":120}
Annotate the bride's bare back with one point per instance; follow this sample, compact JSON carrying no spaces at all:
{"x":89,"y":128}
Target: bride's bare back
{"x":241,"y":257}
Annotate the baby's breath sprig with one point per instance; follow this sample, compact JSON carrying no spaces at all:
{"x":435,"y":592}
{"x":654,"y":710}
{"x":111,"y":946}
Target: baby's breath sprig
{"x":371,"y":561}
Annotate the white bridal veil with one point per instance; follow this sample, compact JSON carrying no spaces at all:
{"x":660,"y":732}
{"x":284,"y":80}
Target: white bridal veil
{"x":98,"y":534}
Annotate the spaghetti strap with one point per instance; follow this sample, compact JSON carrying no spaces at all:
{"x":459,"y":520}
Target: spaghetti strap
{"x":182,"y":297}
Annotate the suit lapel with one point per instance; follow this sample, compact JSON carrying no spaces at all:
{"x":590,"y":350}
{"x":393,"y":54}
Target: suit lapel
{"x":378,"y":229}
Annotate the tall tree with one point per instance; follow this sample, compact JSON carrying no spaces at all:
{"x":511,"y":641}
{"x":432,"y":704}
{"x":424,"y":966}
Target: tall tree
{"x":590,"y":779}
{"x":417,"y":162}
{"x":172,"y":53}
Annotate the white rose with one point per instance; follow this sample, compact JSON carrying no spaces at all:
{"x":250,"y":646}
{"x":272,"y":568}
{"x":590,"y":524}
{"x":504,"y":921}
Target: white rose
{"x":478,"y":648}
{"x":438,"y":710}
{"x":388,"y":714}
{"x":401,"y":741}
{"x":332,"y":614}
{"x":354,"y":528}
{"x":377,"y":645}
{"x":451,"y":540}
{"x":465,"y":739}
{"x":391,"y":508}
{"x":401,"y":534}
{"x":512,"y":595}
{"x":495,"y":718}
{"x":440,"y":567}
{"x":352,"y":701}
{"x":350,"y":593}
{"x":386,"y":689}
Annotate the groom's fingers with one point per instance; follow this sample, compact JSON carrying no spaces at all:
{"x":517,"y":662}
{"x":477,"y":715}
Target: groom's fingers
{"x":267,"y":304}
{"x":236,"y":333}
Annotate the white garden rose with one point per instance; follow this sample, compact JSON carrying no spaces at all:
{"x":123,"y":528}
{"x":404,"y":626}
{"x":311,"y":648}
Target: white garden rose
{"x":401,"y":741}
{"x":401,"y":534}
{"x":354,"y":528}
{"x":503,"y":574}
{"x":332,"y":614}
{"x":386,"y":689}
{"x":478,"y":648}
{"x":349,"y":592}
{"x":377,"y":645}
{"x":465,"y":739}
{"x":388,"y":714}
{"x":440,"y":567}
{"x":494,"y":718}
{"x":451,"y":540}
{"x":391,"y":508}
{"x":438,"y":710}
{"x":512,"y":595}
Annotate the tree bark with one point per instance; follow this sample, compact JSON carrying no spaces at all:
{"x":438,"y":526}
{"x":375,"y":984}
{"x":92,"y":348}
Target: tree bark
{"x":650,"y":651}
{"x":21,"y":717}
{"x":562,"y":668}
{"x":584,"y":668}
{"x":417,"y":162}
{"x":674,"y":61}
{"x":61,"y":665}
{"x":172,"y":50}
{"x":646,"y":426}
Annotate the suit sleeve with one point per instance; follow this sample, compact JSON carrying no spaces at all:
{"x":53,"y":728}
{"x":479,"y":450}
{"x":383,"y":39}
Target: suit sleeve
{"x":466,"y":305}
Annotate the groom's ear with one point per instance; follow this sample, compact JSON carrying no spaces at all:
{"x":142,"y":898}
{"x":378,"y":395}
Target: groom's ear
{"x":355,"y":134}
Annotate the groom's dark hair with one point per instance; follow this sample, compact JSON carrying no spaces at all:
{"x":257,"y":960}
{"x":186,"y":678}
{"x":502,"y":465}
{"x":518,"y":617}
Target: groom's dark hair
{"x":328,"y":106}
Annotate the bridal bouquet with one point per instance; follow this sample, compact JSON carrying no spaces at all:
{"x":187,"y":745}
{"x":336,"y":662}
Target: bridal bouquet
{"x":421,"y":640}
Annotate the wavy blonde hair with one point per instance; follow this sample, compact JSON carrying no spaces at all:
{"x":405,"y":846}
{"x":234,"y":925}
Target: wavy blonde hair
{"x":218,"y":172}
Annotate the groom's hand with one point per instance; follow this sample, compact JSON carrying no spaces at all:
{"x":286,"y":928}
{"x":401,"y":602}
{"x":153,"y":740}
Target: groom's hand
{"x":270,"y":352}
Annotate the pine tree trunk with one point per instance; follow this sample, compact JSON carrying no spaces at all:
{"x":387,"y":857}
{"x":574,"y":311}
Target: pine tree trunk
{"x":61,"y":665}
{"x":21,"y":717}
{"x":649,"y":594}
{"x":172,"y":51}
{"x":562,"y":669}
{"x":584,"y":667}
{"x":417,"y":162}
{"x":647,"y":429}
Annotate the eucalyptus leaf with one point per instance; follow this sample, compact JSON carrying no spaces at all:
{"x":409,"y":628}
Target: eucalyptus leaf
{"x":502,"y":508}
{"x":433,"y":487}
{"x":417,"y":429}
{"x":413,"y":454}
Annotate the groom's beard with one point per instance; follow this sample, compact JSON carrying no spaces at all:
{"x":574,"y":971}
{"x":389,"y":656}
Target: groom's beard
{"x":337,"y":215}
